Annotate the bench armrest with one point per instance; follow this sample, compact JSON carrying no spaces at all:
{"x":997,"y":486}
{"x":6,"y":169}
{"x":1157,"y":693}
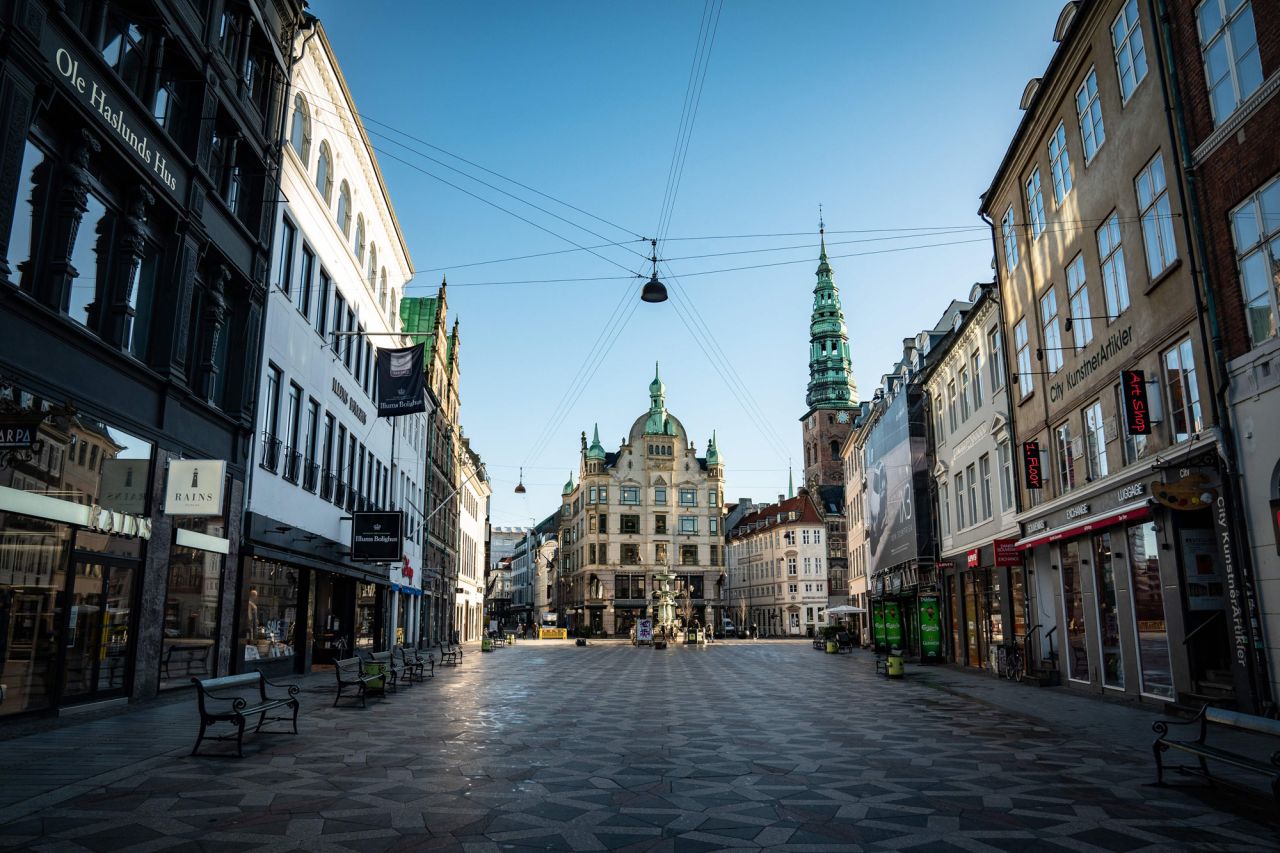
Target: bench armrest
{"x":292,"y":689}
{"x":1161,"y":727}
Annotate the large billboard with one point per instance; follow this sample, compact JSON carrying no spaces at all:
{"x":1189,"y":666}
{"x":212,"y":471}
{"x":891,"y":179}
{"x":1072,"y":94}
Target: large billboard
{"x":894,"y":460}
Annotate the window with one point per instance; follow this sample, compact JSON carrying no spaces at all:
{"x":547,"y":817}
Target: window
{"x":984,"y":469}
{"x":288,"y":242}
{"x":688,"y":524}
{"x":1010,"y":239}
{"x":1078,"y":293}
{"x":322,"y":302}
{"x":1182,"y":391}
{"x":344,"y":209}
{"x":300,"y":131}
{"x":975,"y":362}
{"x":951,"y":404}
{"x":817,"y":538}
{"x":324,"y":173}
{"x":713,"y":525}
{"x":1157,"y":221}
{"x":1060,"y":164}
{"x":1035,"y":204}
{"x":271,"y":412}
{"x":940,"y":434}
{"x":972,"y":474}
{"x":1006,"y":477}
{"x":630,"y":555}
{"x":339,"y":311}
{"x":1229,"y":43}
{"x":995,"y":358}
{"x":631,"y":494}
{"x":966,"y":394}
{"x":791,"y":566}
{"x":382,"y":290}
{"x":1023,"y":346}
{"x":1115,"y":281}
{"x":358,"y":242}
{"x":689,"y":556}
{"x":125,"y":51}
{"x":603,"y":522}
{"x":1089,"y":111}
{"x":1066,"y":458}
{"x":591,"y":495}
{"x":660,"y":495}
{"x":326,"y":458}
{"x":1131,"y":55}
{"x":713,"y":498}
{"x":1052,"y":352}
{"x":310,"y":445}
{"x":603,"y":494}
{"x":293,"y":414}
{"x":960,"y":501}
{"x":1255,"y":230}
{"x":373,"y":267}
{"x":944,"y":503}
{"x":630,"y":524}
{"x":1095,"y":441}
{"x":793,"y":588}
{"x":688,"y":497}
{"x":306,"y":274}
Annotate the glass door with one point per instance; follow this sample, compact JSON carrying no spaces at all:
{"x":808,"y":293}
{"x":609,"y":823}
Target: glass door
{"x":1108,"y":613}
{"x":100,"y":622}
{"x":1073,"y":611}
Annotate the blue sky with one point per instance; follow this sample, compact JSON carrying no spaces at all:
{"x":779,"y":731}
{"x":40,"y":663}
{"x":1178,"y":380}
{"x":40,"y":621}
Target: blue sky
{"x":892,"y":116}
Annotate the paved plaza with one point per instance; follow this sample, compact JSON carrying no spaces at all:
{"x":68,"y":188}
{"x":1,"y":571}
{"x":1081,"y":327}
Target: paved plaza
{"x":548,"y":746}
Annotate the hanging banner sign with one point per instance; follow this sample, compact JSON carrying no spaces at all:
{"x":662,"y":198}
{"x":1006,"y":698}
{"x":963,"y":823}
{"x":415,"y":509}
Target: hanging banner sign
{"x":1032,"y":473}
{"x":195,"y":487}
{"x":19,"y":433}
{"x":401,"y":382}
{"x":1137,"y":413}
{"x":377,"y":537}
{"x":973,"y":558}
{"x":1007,"y":553}
{"x":930,"y":628}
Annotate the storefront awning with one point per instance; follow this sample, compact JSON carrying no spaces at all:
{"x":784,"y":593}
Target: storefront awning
{"x":1131,"y":512}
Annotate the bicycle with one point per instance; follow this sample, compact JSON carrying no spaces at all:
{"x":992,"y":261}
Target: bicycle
{"x":1015,"y":667}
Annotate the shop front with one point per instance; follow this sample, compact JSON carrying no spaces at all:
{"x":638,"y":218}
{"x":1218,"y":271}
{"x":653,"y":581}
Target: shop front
{"x":1143,"y":578}
{"x":984,"y":591}
{"x":906,"y":612}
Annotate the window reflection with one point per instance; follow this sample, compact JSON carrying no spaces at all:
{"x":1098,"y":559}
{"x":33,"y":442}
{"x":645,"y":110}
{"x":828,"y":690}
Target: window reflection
{"x":1148,"y":605}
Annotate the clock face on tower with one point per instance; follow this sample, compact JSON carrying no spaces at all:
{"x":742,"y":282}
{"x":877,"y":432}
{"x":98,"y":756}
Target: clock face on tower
{"x":843,"y":417}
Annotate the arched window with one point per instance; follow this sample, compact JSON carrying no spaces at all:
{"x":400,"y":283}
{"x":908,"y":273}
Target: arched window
{"x":373,"y":267}
{"x":344,"y":209}
{"x":359,"y":241}
{"x":835,"y":449}
{"x":324,"y":173}
{"x":382,"y":289}
{"x":395,"y":316}
{"x":300,"y":133}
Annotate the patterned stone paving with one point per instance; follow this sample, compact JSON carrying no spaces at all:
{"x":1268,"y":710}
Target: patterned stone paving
{"x":738,"y":746}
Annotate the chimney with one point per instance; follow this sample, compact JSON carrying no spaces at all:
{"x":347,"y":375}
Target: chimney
{"x":781,"y":498}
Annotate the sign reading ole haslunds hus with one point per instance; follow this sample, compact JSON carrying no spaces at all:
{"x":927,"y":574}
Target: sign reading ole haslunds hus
{"x":401,"y":382}
{"x":377,"y":537}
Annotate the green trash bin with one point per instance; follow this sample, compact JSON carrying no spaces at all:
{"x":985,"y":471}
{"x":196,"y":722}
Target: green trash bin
{"x":511,"y":639}
{"x":832,"y":647}
{"x":380,"y":683}
{"x":486,"y":645}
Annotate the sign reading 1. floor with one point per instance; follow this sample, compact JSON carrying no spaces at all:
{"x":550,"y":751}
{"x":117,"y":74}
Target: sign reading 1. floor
{"x":377,"y":537}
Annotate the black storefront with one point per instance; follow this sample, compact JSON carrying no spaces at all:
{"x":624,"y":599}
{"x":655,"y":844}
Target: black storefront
{"x":136,"y":188}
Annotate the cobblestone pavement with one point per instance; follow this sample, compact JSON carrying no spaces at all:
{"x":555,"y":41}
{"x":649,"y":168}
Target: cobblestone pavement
{"x":548,"y":746}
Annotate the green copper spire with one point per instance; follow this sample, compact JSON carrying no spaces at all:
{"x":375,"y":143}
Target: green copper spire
{"x":791,"y":486}
{"x":568,"y":487}
{"x":596,"y":450}
{"x":657,"y":422}
{"x":713,"y":452}
{"x":831,"y":384}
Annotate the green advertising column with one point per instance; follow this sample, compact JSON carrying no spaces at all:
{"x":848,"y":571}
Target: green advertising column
{"x":892,"y":625}
{"x":877,"y":625}
{"x":930,"y":628}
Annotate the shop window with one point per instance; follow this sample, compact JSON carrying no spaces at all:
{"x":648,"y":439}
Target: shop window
{"x":89,"y":254}
{"x":25,"y":211}
{"x":366,"y":615}
{"x":271,"y":609}
{"x":1073,"y":612}
{"x":192,"y":594}
{"x":1108,"y":613}
{"x":1148,"y":604}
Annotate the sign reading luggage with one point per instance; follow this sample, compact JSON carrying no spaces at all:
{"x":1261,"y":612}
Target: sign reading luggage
{"x":401,"y":382}
{"x":377,"y":537}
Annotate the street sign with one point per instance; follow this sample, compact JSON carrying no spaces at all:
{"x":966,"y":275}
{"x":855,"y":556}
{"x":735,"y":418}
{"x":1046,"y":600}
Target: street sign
{"x":377,"y":537}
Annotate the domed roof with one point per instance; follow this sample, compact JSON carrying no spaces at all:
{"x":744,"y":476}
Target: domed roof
{"x":568,"y":487}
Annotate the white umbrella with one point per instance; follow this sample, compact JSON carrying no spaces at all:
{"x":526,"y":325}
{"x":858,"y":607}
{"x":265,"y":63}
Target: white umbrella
{"x":844,"y":610}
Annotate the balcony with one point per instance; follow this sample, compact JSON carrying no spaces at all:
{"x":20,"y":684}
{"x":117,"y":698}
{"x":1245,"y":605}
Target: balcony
{"x":327,"y":481}
{"x":339,"y":493}
{"x":270,"y":452}
{"x":292,"y":464}
{"x":310,"y":476}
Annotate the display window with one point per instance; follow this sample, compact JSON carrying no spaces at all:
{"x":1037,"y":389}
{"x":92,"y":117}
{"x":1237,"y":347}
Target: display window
{"x":1149,"y":612}
{"x":191,"y":607}
{"x":269,"y":618}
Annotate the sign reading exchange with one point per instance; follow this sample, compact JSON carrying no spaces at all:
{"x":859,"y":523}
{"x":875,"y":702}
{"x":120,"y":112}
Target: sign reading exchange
{"x":377,"y":537}
{"x":127,"y":128}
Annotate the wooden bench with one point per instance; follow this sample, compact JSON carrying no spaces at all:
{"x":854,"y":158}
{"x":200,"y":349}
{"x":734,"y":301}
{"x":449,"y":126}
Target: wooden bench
{"x":189,"y":659}
{"x":1231,"y":721}
{"x":233,"y":699}
{"x":450,"y":655}
{"x":392,"y":668}
{"x":351,"y":673}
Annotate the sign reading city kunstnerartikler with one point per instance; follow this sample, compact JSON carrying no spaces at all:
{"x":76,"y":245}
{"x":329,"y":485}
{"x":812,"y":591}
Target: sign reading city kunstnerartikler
{"x":401,"y":382}
{"x":377,"y":537}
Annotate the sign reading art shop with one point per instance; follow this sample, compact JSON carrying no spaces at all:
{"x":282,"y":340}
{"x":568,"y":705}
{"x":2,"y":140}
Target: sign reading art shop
{"x":1137,"y":413}
{"x":131,"y":131}
{"x":377,"y":537}
{"x":195,"y":487}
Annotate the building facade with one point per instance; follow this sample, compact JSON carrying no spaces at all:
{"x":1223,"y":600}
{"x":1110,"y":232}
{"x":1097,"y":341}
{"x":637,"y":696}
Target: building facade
{"x":321,"y":452}
{"x":137,"y":190}
{"x":974,"y":498}
{"x":857,"y":546}
{"x":777,"y":577}
{"x":468,"y":616}
{"x":1127,"y":522}
{"x":1231,"y":168}
{"x":652,"y":504}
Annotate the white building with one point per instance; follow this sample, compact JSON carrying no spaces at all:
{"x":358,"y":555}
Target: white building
{"x":321,"y":450}
{"x":473,"y":525}
{"x":855,"y":486}
{"x":777,"y":577}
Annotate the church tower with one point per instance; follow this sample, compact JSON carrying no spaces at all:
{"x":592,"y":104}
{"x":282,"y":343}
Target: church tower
{"x":832,"y":395}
